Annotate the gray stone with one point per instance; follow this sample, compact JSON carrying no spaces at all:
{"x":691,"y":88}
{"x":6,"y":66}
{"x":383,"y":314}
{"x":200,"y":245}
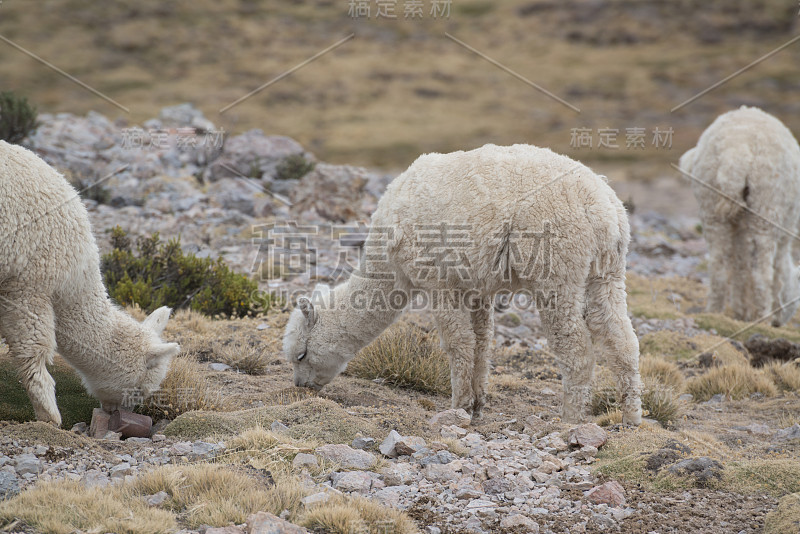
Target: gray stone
{"x":219,"y":366}
{"x":441,"y":473}
{"x":441,"y":457}
{"x":352,"y":481}
{"x":398,"y":474}
{"x":363,"y":443}
{"x":703,"y":469}
{"x":120,"y":470}
{"x":346,"y":456}
{"x":408,"y":445}
{"x":786,"y":434}
{"x":96,"y":479}
{"x":157,"y":499}
{"x":112,"y":436}
{"x":519,"y":521}
{"x":27,"y":463}
{"x":266,"y":523}
{"x":279,"y":427}
{"x":305,"y":460}
{"x":497,"y":485}
{"x":9,"y":485}
{"x":80,"y":428}
{"x":138,"y":440}
{"x":387,"y":448}
{"x":611,"y":493}
{"x":588,"y":434}
{"x":458,"y":417}
{"x":316,"y":498}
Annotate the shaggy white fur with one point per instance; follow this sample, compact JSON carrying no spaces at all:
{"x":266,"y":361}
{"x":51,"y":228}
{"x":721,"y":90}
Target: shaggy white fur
{"x":52,"y":294}
{"x":520,"y":218}
{"x":746,"y":177}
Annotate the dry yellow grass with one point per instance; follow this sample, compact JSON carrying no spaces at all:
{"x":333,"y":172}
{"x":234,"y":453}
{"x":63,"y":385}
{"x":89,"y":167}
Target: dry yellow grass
{"x":667,"y":344}
{"x":356,"y":514}
{"x":785,"y":375}
{"x":65,"y":507}
{"x":785,"y":518}
{"x":659,"y":400}
{"x":184,"y":389}
{"x":244,"y":357}
{"x":736,"y":381}
{"x":663,"y":372}
{"x":404,"y":356}
{"x":661,"y":297}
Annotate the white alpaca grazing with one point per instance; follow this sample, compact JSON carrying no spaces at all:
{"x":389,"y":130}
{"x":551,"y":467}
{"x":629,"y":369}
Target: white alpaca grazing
{"x":745,"y":174}
{"x":523,"y":219}
{"x":52,"y":294}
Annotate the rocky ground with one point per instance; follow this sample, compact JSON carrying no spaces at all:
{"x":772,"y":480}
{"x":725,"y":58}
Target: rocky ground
{"x":519,"y":470}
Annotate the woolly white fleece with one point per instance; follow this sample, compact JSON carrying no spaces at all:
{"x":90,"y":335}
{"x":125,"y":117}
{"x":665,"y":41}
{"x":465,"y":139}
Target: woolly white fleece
{"x":535,"y":221}
{"x":52,"y":294}
{"x":746,"y":177}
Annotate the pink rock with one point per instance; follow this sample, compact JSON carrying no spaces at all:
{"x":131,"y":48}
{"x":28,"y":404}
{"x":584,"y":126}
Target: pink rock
{"x":611,"y":493}
{"x":99,"y":426}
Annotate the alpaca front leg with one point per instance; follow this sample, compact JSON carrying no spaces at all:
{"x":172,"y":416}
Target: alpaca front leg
{"x":458,"y":341}
{"x":483,"y":326}
{"x":28,"y":327}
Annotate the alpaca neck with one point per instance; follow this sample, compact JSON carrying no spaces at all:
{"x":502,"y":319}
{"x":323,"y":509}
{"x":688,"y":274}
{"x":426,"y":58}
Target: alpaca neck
{"x":364,"y":309}
{"x":85,"y":319}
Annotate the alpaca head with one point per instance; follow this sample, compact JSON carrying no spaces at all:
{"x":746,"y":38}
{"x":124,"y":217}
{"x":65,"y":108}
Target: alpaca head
{"x":314,"y":346}
{"x":139,"y":359}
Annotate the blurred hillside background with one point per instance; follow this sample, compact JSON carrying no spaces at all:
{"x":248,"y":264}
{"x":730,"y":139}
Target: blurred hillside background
{"x":401,"y":87}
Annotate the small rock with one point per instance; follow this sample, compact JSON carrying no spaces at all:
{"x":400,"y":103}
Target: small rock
{"x":440,"y":473}
{"x":278,"y":427}
{"x":453,"y":432}
{"x":588,"y":434}
{"x":96,"y":479}
{"x":262,"y":326}
{"x":497,"y":486}
{"x":476,"y":504}
{"x":204,"y":448}
{"x":9,"y":485}
{"x":219,"y":366}
{"x":40,"y":450}
{"x":346,"y":456}
{"x":352,"y":481}
{"x":363,"y":443}
{"x":786,"y":434}
{"x":719,"y":397}
{"x":266,"y":523}
{"x":157,"y":499}
{"x":138,"y":440}
{"x":408,"y":445}
{"x":112,"y":436}
{"x":398,"y":474}
{"x":80,"y":428}
{"x":686,"y":397}
{"x":158,"y":437}
{"x":441,"y":457}
{"x":181,"y":448}
{"x":703,"y":469}
{"x":611,"y":493}
{"x":305,"y":460}
{"x":525,"y":524}
{"x":99,"y":426}
{"x":316,"y":498}
{"x":458,"y":417}
{"x":224,"y":530}
{"x":120,"y":470}
{"x":387,"y":448}
{"x":27,"y":463}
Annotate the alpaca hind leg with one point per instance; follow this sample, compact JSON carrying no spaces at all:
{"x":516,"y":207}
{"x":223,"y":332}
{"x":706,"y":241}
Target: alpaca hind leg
{"x":458,"y":341}
{"x":612,"y":334}
{"x":568,"y":336}
{"x":719,"y":237}
{"x":28,"y":327}
{"x":483,"y":326}
{"x":761,"y":254}
{"x":785,"y":286}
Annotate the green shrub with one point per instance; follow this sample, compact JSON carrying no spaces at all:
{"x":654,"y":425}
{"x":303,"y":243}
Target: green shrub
{"x":17,"y":117}
{"x":162,"y":275}
{"x":293,"y":167}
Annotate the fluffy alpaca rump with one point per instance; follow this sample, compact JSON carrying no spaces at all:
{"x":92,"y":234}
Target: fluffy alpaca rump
{"x":749,"y":166}
{"x":52,"y":294}
{"x":519,"y":218}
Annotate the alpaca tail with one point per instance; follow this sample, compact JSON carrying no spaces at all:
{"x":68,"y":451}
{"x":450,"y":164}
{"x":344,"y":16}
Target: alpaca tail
{"x":731,"y":182}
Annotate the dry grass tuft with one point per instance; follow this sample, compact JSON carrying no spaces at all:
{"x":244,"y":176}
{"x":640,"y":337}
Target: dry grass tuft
{"x":244,"y":357}
{"x":736,"y":381}
{"x":661,"y":371}
{"x":509,"y":383}
{"x":785,"y":518}
{"x":356,"y":514}
{"x":455,"y":446}
{"x":659,"y":400}
{"x":785,"y":375}
{"x":405,"y":356}
{"x":184,"y":389}
{"x":205,"y":494}
{"x":64,"y":507}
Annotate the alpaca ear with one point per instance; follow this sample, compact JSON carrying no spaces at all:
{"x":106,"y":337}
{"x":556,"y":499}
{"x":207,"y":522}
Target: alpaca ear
{"x":162,"y":354}
{"x":305,"y":305}
{"x":157,"y":320}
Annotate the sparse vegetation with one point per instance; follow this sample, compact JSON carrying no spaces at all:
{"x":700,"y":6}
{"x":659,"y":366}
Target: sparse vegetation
{"x":785,"y":375}
{"x":17,"y":117}
{"x":184,"y":389}
{"x":244,"y":357}
{"x":786,"y":517}
{"x":294,"y":167}
{"x":404,"y":356}
{"x":736,"y":381}
{"x":161,"y":274}
{"x":661,"y":388}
